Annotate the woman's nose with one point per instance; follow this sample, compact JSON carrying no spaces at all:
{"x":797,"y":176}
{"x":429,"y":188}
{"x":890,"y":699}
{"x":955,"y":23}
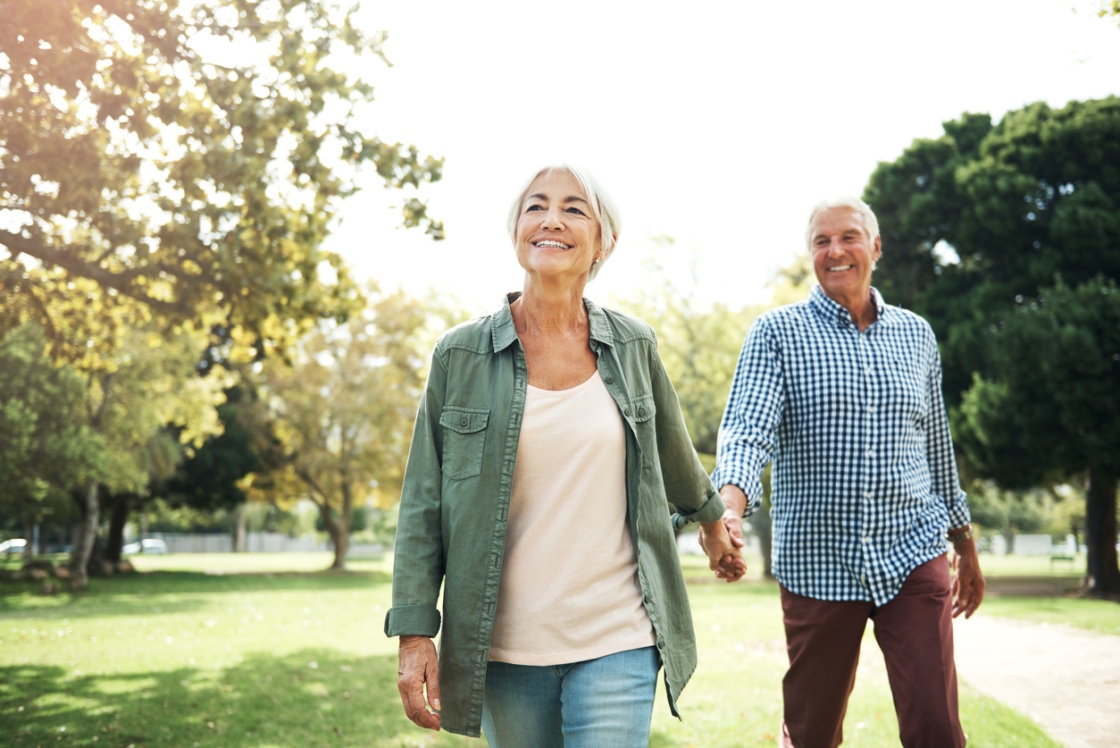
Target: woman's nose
{"x":553,"y":219}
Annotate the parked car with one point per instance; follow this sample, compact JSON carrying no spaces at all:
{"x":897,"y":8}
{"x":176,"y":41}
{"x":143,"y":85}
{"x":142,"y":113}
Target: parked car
{"x":154,"y":546}
{"x":14,"y":546}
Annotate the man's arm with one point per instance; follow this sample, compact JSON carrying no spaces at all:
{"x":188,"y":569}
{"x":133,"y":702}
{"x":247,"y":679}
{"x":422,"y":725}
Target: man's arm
{"x":748,"y":430}
{"x":968,"y":583}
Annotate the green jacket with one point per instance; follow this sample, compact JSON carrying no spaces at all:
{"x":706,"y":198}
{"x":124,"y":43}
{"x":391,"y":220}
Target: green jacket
{"x":457,"y":484}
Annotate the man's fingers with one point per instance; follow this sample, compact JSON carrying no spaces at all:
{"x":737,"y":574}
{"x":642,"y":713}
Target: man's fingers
{"x":734,"y":527}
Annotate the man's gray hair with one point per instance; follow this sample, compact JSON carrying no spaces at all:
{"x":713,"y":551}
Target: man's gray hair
{"x":870,"y":222}
{"x":602,"y":205}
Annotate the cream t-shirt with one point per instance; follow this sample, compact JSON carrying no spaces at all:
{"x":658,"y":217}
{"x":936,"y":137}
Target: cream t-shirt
{"x":569,"y":589}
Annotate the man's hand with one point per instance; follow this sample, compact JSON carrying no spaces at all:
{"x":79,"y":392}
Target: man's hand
{"x":723,"y":540}
{"x":723,"y":548}
{"x":419,"y":666}
{"x":968,"y":582}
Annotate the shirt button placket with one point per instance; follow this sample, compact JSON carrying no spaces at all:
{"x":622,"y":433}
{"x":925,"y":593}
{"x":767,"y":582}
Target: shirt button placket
{"x":869,"y":473}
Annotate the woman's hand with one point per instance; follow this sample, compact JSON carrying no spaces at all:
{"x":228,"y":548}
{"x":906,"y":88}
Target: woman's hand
{"x":722,"y":541}
{"x":418,"y":667}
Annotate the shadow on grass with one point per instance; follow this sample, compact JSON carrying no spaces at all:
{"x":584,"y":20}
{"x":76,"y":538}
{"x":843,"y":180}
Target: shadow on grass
{"x":311,"y":698}
{"x":131,"y":594}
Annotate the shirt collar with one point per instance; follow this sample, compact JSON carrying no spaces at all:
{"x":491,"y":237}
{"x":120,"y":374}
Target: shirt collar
{"x":831,"y":311}
{"x":503,"y":332}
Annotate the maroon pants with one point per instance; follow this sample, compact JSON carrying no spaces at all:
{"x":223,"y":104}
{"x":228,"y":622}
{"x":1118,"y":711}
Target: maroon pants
{"x":915,"y":632}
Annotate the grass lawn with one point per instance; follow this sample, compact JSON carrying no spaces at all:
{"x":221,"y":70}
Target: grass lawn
{"x":217,"y":650}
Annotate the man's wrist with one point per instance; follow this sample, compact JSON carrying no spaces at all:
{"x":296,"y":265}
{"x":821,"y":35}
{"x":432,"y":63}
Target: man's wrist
{"x":734,"y":498}
{"x":960,"y":536}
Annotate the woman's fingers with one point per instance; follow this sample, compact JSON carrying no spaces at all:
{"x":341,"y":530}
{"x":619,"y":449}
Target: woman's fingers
{"x":419,"y":666}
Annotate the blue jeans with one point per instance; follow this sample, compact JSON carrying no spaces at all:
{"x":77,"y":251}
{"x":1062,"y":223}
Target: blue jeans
{"x":601,"y":703}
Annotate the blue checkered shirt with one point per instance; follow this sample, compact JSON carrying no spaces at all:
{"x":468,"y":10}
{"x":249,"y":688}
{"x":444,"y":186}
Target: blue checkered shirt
{"x":864,"y":484}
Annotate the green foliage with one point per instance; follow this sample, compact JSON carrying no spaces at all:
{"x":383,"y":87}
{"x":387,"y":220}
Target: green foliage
{"x":46,"y":445}
{"x":183,"y":162}
{"x":988,"y":215}
{"x":210,"y":479}
{"x":1055,"y":406}
{"x":339,"y":419}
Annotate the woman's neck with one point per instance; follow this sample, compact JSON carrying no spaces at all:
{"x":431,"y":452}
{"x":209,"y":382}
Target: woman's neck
{"x":549,"y":309}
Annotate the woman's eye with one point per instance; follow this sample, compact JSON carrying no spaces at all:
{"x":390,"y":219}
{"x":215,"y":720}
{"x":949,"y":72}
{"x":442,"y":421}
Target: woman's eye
{"x":534,"y":207}
{"x":577,"y":211}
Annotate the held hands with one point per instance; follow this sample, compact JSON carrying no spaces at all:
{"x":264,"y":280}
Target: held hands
{"x":722,"y":541}
{"x":968,"y":583}
{"x":419,"y":666}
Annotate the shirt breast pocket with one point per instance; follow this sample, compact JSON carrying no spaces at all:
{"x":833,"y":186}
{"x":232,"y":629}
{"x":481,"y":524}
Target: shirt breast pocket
{"x":464,"y":438}
{"x":910,"y":387}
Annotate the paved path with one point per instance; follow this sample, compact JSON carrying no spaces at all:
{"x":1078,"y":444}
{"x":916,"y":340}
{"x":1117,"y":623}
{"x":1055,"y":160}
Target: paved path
{"x":1065,"y":679}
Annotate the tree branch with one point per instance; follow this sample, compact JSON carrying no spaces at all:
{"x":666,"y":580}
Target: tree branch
{"x":68,"y":261}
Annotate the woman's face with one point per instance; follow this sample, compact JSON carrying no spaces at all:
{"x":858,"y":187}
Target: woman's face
{"x":557,"y":233}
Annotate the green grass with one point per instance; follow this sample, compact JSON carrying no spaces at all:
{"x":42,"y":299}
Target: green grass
{"x":1032,"y":566}
{"x":1101,"y":616}
{"x":218,"y":650}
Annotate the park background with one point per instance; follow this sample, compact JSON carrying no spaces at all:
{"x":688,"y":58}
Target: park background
{"x":224,"y":264}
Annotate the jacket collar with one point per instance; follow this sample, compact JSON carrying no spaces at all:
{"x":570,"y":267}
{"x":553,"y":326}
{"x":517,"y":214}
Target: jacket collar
{"x":831,"y":311}
{"x":503,"y":332}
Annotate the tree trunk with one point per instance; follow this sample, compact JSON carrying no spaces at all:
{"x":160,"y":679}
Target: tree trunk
{"x":122,"y":504}
{"x":760,"y":526}
{"x":84,"y":538}
{"x":31,"y":536}
{"x":340,"y":536}
{"x":1102,"y":575}
{"x":239,"y":529}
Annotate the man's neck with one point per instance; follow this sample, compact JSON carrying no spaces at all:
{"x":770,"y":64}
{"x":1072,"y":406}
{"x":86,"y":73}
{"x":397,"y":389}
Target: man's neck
{"x":862,"y":308}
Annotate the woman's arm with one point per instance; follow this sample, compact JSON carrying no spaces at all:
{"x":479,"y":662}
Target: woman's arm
{"x":418,"y":564}
{"x":686,"y":482}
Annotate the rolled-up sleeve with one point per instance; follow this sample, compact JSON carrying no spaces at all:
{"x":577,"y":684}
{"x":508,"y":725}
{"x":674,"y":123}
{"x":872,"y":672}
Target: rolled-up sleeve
{"x":748,"y":431}
{"x":418,"y":566}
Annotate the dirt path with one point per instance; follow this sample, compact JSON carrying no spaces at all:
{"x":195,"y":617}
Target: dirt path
{"x":1065,"y":679}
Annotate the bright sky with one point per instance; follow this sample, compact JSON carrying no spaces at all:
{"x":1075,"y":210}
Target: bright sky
{"x":717,"y":123}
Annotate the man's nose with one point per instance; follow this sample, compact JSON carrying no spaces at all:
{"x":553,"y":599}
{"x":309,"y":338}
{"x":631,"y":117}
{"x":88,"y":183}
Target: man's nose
{"x":834,"y":249}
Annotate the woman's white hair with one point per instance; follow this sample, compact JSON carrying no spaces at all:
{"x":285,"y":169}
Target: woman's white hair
{"x":602,"y":205}
{"x":870,"y":222}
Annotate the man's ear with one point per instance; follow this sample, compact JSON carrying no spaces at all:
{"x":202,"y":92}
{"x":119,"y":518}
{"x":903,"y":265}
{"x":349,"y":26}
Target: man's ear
{"x":878,"y":250}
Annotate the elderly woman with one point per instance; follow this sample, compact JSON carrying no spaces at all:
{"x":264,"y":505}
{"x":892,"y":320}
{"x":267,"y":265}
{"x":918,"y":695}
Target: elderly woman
{"x":547,"y":445}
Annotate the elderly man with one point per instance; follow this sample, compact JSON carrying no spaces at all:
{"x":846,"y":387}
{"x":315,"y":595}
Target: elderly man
{"x":843,"y":393}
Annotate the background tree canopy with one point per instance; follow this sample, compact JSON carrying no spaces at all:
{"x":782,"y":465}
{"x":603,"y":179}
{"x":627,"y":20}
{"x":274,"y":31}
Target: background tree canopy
{"x":140,"y":177}
{"x":1006,"y":237}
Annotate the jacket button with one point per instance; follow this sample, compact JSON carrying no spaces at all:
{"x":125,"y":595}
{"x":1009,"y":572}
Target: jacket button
{"x":463,"y":422}
{"x":626,"y":412}
{"x":641,"y":411}
{"x":610,"y":380}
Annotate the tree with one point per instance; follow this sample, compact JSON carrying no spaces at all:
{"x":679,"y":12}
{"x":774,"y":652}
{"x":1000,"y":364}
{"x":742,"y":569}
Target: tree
{"x":212,"y":477}
{"x":1051,"y":407}
{"x":182,"y":162}
{"x":341,"y":415}
{"x":977,"y":226}
{"x":147,"y":386}
{"x":45,"y":446}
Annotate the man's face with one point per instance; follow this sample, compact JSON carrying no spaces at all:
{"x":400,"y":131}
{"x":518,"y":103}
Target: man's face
{"x":843,"y":255}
